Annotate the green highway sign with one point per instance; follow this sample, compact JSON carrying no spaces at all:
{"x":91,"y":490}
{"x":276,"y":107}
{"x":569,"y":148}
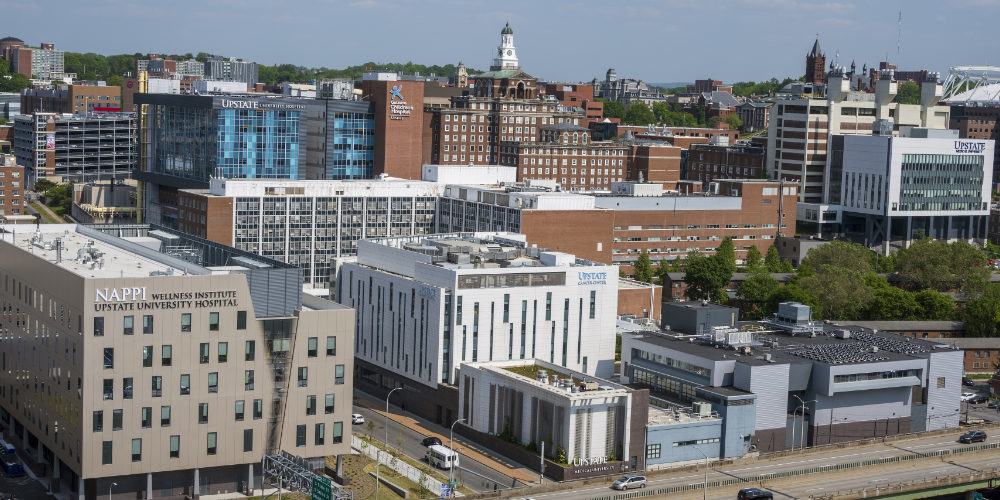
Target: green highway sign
{"x":321,"y":489}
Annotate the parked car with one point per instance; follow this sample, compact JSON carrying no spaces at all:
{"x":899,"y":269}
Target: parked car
{"x":972,"y":437}
{"x":357,"y":418}
{"x":979,"y":399}
{"x":754,"y":494}
{"x":11,"y":467}
{"x":966,"y":381}
{"x":995,"y":404}
{"x":967,"y":396}
{"x":629,"y":482}
{"x":430,"y":441}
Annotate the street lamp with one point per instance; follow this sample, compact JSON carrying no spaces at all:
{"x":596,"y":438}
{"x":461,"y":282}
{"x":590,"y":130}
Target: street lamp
{"x":378,"y":452}
{"x":802,"y":423}
{"x":705,"y":494}
{"x":451,"y":445}
{"x":112,"y":485}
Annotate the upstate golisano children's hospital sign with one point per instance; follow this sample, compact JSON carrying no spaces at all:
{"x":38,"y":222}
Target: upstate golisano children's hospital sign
{"x":138,"y":299}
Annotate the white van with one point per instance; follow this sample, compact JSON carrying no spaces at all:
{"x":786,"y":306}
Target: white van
{"x":441,"y":457}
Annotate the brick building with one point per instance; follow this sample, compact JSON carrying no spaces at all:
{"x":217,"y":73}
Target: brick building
{"x":564,"y":153}
{"x":12,"y":187}
{"x":72,"y":99}
{"x":504,"y":106}
{"x":397,"y":106}
{"x":655,"y":162}
{"x":754,"y":115}
{"x":708,"y":162}
{"x":978,"y":120}
{"x":816,"y":65}
{"x":675,"y":284}
{"x":709,"y":85}
{"x":579,"y":95}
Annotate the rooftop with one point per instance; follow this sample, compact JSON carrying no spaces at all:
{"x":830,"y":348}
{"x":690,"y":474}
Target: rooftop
{"x":481,"y":250}
{"x":552,"y":378}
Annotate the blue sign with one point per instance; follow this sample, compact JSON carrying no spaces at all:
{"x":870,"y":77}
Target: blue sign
{"x":396,"y":92}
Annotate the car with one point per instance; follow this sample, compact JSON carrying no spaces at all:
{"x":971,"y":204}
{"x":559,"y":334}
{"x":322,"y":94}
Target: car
{"x":754,"y":494}
{"x":972,"y":437}
{"x":967,"y":396}
{"x":629,"y":482}
{"x":995,"y":404}
{"x":357,"y":418}
{"x":430,"y":441}
{"x":979,"y":399}
{"x":966,"y":381}
{"x":11,"y":467}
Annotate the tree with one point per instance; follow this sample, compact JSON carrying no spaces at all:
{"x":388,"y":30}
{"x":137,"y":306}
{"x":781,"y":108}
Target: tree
{"x":935,"y":306}
{"x":613,"y":109}
{"x":755,"y":291}
{"x":890,"y":303}
{"x":907,"y":93}
{"x":840,"y":255}
{"x":941,"y":266}
{"x":774,"y":263}
{"x":707,"y":277}
{"x":638,"y":113}
{"x":644,"y":268}
{"x":841,"y":292}
{"x":726,"y":256}
{"x":733,"y":120}
{"x":753,"y":258}
{"x":981,"y":315}
{"x":793,"y":293}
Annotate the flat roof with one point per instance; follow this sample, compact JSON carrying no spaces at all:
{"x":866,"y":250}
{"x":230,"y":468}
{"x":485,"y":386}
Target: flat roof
{"x":906,"y":325}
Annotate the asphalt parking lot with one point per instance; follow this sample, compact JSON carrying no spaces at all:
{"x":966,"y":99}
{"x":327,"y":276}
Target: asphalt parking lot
{"x":22,"y":488}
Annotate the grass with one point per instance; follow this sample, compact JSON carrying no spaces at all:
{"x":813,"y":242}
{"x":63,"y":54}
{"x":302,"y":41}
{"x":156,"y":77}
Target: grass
{"x":44,"y":213}
{"x":420,"y":465}
{"x":531,"y":371}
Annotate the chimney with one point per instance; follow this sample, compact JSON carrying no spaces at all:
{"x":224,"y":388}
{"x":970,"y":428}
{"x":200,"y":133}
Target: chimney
{"x":885,"y":92}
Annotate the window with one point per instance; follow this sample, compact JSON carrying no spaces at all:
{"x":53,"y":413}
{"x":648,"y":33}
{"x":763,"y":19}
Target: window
{"x":328,"y":404}
{"x":116,"y":420}
{"x":300,"y":435}
{"x":593,"y":303}
{"x":109,"y":358}
{"x":98,"y":326}
{"x":175,"y":446}
{"x":312,"y":346}
{"x":696,"y":441}
{"x":146,"y":417}
{"x":157,"y":386}
{"x":106,"y":453}
{"x":202,"y":413}
{"x":128,"y":325}
{"x":338,"y":374}
{"x":241,"y":320}
{"x":653,"y":451}
{"x":164,"y":416}
{"x":213,"y":321}
{"x":185,"y":384}
{"x":136,"y":449}
{"x":211,"y":442}
{"x":319,"y":436}
{"x":258,"y":409}
{"x":248,"y":380}
{"x":940,"y":382}
{"x":185,"y":322}
{"x":98,"y":421}
{"x":247,"y":440}
{"x":203,"y":352}
{"x":303,"y":377}
{"x":147,"y":324}
{"x":250,"y":350}
{"x":311,"y":405}
{"x":223,"y":352}
{"x":338,"y":432}
{"x":147,"y":356}
{"x":238,"y":411}
{"x":213,"y":382}
{"x":109,"y":389}
{"x":331,"y":346}
{"x":166,"y":355}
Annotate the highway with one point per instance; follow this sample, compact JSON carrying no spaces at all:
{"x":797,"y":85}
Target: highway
{"x":798,"y":485}
{"x":470,"y":473}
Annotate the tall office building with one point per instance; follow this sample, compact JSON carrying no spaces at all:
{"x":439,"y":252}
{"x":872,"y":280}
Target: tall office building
{"x":148,"y":363}
{"x":231,"y":70}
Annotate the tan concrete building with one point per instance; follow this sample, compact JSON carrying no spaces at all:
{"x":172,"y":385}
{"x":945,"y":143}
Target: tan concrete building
{"x":164,"y":374}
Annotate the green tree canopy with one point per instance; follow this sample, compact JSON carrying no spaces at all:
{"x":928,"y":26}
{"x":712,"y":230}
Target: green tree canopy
{"x":753,"y":258}
{"x":733,"y":120}
{"x":726,"y":256}
{"x":981,"y":314}
{"x":793,"y":293}
{"x":907,"y":93}
{"x":839,"y":255}
{"x":842,"y":291}
{"x":941,"y":266}
{"x":755,"y":291}
{"x":774,"y":263}
{"x":644,"y":268}
{"x":890,"y":303}
{"x":935,"y":305}
{"x":613,"y":109}
{"x":638,"y":113}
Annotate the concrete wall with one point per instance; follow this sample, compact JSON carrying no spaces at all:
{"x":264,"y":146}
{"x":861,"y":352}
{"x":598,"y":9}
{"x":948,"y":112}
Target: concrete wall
{"x":668,"y":435}
{"x":770,"y":384}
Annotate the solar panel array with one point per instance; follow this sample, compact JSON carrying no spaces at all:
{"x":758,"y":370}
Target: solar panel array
{"x":840,"y":354}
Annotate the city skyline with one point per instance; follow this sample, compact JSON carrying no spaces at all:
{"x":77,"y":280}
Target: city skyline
{"x":652,"y":30}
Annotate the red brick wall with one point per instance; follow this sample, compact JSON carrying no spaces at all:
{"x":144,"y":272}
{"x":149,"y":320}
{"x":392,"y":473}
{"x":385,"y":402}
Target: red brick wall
{"x":584,"y":233}
{"x":398,"y":142}
{"x":636,"y":301}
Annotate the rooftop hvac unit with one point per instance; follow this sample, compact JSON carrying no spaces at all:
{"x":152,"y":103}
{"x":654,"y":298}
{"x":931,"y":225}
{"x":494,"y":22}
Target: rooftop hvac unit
{"x":702,"y":408}
{"x":842,"y":334}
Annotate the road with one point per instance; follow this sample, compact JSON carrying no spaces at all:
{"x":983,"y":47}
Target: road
{"x":470,"y":473}
{"x":848,"y":479}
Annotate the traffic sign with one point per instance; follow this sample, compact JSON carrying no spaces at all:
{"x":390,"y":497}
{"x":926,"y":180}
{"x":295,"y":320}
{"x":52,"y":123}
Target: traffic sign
{"x":321,"y":489}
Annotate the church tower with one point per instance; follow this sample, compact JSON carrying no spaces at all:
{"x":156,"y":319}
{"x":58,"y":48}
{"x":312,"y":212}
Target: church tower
{"x":506,"y":53}
{"x":461,"y":76}
{"x":815,"y":65}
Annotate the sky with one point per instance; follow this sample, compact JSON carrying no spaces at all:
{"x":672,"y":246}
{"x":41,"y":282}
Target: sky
{"x":564,"y":40}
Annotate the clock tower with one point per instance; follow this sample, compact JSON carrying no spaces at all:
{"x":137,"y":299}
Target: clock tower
{"x":506,"y":53}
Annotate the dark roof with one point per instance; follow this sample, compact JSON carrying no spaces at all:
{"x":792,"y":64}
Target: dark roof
{"x":507,"y":30}
{"x":504,"y":73}
{"x":566,"y":127}
{"x":11,"y":39}
{"x":816,"y":51}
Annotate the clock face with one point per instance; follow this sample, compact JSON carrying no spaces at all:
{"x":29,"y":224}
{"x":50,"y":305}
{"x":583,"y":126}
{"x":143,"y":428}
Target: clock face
{"x":510,"y":52}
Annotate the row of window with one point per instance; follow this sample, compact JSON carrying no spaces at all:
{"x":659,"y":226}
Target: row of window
{"x":156,"y":383}
{"x":128,"y":323}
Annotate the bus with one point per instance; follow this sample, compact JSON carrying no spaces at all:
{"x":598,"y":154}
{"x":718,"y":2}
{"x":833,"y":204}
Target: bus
{"x":441,"y":457}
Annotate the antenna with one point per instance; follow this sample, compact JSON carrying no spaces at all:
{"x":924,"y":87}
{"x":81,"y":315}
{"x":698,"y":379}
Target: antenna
{"x":899,"y":33}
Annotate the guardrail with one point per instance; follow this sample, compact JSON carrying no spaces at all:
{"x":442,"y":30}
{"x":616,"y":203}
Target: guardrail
{"x":757,"y":478}
{"x":918,"y":485}
{"x":406,"y":470}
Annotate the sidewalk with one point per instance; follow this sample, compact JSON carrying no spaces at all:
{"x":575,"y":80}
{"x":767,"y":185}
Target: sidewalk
{"x":479,"y":454}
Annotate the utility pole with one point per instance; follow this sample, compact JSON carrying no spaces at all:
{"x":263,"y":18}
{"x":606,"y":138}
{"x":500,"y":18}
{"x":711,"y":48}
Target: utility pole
{"x":541,"y":463}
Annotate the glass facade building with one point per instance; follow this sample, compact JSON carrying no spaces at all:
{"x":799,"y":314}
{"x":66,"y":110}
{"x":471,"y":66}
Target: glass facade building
{"x":350,"y":140}
{"x":256,"y":144}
